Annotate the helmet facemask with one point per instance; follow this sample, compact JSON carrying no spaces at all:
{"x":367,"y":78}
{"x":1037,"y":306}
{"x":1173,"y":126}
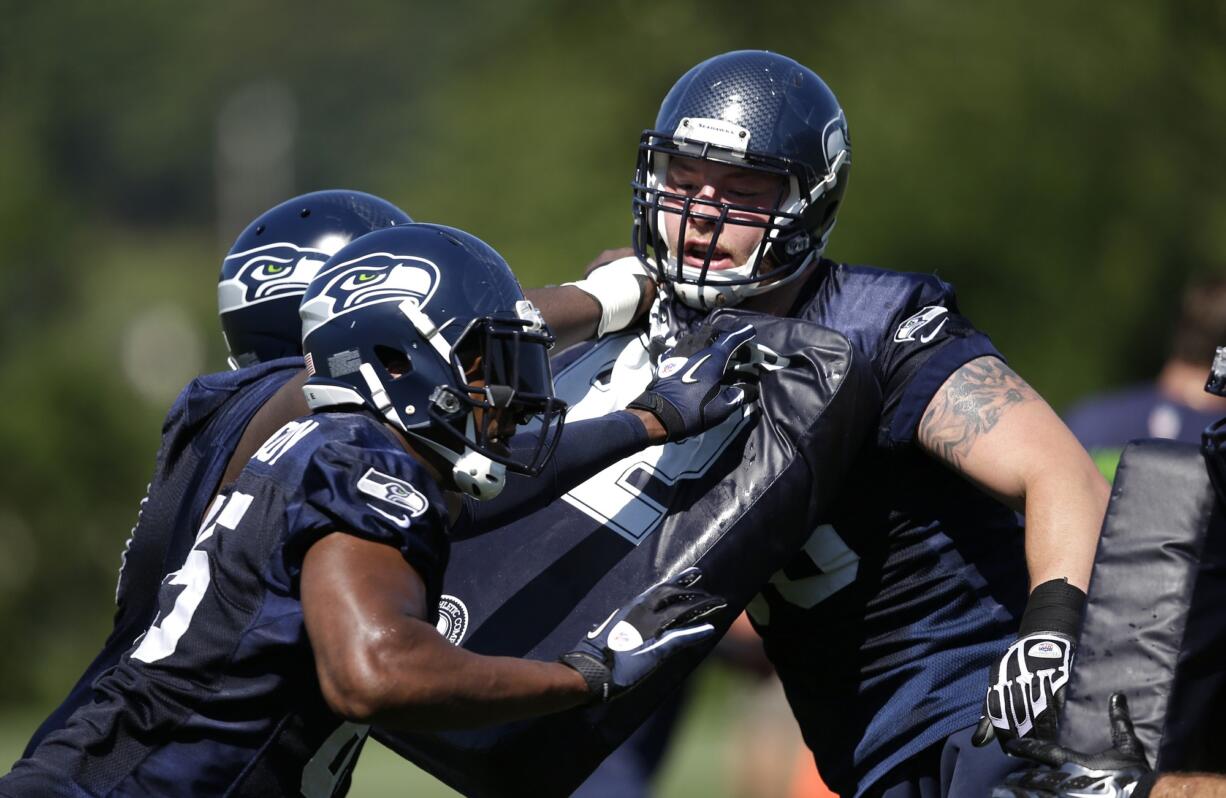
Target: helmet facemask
{"x":795,"y":227}
{"x":504,"y":386}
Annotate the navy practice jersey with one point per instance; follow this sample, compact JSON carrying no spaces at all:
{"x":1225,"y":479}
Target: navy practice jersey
{"x":883,"y":629}
{"x":199,"y":436}
{"x":220,"y":695}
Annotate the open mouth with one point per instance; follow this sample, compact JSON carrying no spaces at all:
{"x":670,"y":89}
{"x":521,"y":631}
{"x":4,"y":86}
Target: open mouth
{"x":695,"y":255}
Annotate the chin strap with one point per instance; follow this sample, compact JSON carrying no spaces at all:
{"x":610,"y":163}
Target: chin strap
{"x":378,"y":395}
{"x":713,"y":294}
{"x":473,"y":473}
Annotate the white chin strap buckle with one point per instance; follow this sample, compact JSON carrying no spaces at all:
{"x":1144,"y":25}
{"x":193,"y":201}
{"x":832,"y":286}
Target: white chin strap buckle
{"x":478,"y":476}
{"x":708,"y":296}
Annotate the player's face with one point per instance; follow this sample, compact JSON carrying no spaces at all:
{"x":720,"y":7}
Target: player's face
{"x":502,"y":422}
{"x":718,"y":182}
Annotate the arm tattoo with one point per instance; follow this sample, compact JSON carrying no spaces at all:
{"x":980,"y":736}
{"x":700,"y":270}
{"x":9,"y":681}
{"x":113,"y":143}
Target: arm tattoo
{"x":969,"y":404}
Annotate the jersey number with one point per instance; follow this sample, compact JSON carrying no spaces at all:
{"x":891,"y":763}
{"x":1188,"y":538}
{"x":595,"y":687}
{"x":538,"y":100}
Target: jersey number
{"x":620,"y":497}
{"x":163,"y":636}
{"x":826,"y":565}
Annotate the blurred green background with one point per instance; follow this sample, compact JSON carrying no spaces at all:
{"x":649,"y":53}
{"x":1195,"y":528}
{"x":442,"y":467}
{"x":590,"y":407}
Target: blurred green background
{"x":1060,"y":163}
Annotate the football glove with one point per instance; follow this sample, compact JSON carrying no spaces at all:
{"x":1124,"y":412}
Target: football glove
{"x":1027,"y":684}
{"x":633,"y":641}
{"x":698,"y":383}
{"x":1114,"y":773}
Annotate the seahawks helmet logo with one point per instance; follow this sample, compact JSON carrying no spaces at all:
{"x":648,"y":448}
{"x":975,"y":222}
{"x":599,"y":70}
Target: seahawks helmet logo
{"x":373,"y":278}
{"x":273,"y":271}
{"x":836,"y":142}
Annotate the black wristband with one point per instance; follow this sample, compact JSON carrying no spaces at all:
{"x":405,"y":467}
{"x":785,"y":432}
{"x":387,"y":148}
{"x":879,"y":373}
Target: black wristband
{"x":1054,"y":606}
{"x":1144,"y":785}
{"x":662,"y":409}
{"x":593,"y":671}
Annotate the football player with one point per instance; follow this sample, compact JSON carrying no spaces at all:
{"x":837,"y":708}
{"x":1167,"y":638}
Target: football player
{"x":262,"y":280}
{"x":887,"y":650}
{"x":736,"y":192}
{"x":305,"y":609}
{"x":219,"y":420}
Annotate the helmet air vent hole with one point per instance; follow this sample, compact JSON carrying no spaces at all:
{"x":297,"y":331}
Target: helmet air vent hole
{"x":304,"y":213}
{"x":397,"y":363}
{"x":259,"y":230}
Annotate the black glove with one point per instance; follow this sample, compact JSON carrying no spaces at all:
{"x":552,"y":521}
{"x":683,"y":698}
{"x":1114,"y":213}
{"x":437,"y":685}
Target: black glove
{"x":635,"y":640}
{"x":697,"y":384}
{"x":1027,"y":684}
{"x":1118,"y":772}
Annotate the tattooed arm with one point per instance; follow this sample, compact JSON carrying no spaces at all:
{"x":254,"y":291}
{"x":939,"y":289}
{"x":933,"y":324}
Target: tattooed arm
{"x":986,"y":423}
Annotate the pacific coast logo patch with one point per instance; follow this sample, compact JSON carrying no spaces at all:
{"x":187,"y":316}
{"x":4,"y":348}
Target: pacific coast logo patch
{"x":452,"y":619}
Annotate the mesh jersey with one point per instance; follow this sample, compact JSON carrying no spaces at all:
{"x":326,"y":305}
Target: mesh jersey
{"x":220,"y":695}
{"x":884,"y":627}
{"x":198,"y":438}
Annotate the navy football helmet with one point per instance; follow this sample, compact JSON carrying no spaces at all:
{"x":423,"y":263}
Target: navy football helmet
{"x":759,"y":111}
{"x":427,"y":326}
{"x":273,"y":260}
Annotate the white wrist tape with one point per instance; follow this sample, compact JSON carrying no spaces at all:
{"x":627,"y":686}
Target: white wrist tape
{"x":616,"y":288}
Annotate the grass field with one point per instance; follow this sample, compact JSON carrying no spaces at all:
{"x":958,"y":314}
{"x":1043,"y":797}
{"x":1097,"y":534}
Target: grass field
{"x":695,"y":766}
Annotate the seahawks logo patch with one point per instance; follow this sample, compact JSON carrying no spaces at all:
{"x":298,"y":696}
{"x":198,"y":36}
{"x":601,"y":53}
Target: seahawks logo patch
{"x":396,"y":492}
{"x":908,"y":329}
{"x":377,"y":277}
{"x":452,"y":619}
{"x":269,"y":272}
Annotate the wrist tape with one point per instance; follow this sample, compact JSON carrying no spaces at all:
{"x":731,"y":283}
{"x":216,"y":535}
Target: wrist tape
{"x":1054,"y":606}
{"x":615,"y":287}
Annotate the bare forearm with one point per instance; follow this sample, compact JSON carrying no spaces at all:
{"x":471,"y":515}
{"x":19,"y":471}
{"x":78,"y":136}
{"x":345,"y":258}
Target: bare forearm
{"x":434,"y":685}
{"x":1189,"y":785}
{"x":571,"y":314}
{"x":1064,"y":508}
{"x":377,"y":661}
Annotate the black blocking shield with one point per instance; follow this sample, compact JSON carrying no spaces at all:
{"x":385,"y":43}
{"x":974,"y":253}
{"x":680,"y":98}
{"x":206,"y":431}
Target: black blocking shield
{"x":739,"y":504}
{"x":1154,"y":626}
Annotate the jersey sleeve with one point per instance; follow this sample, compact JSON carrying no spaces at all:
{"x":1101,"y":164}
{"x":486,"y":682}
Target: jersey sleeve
{"x":927,"y":340}
{"x":371,"y":494}
{"x":585,"y":449}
